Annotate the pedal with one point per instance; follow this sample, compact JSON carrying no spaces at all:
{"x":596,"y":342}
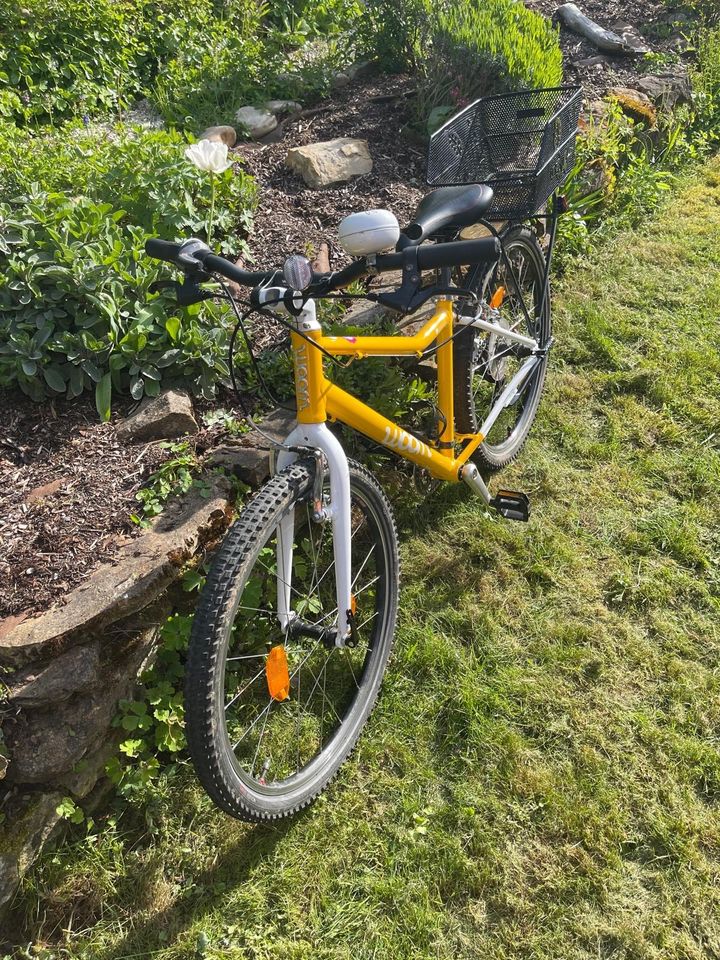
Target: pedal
{"x":512,"y":505}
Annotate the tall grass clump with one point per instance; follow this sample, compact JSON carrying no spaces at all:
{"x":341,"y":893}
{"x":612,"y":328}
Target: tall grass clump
{"x":464,"y":49}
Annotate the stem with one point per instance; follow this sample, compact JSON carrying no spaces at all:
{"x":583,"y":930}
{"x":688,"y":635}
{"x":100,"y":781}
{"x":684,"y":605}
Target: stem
{"x":211,"y":215}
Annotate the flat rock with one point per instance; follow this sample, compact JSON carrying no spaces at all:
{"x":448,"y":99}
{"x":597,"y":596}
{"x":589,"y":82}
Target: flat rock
{"x":220,"y":134}
{"x":75,"y":671}
{"x":61,"y":742}
{"x":667,"y":89}
{"x":330,"y":161}
{"x":256,"y":121}
{"x":362,"y":69}
{"x":160,"y":418}
{"x":144,"y":568}
{"x":289,"y":107}
{"x":632,"y":38}
{"x":340,"y":80}
{"x":247,"y":463}
{"x":27,"y":828}
{"x":249,"y":457}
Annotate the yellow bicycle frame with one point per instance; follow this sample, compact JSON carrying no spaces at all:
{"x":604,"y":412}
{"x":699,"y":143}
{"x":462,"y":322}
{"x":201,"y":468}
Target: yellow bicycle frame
{"x":319,"y":400}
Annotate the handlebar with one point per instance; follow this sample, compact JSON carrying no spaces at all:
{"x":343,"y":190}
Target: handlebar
{"x":194,"y":254}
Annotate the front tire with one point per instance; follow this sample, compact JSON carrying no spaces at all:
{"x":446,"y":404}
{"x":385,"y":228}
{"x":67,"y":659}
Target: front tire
{"x":261,"y":758}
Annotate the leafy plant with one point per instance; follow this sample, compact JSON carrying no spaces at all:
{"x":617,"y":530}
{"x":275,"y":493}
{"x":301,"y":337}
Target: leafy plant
{"x":69,"y":810}
{"x":76,"y":310}
{"x":173,"y":478}
{"x":62,"y":58}
{"x":216,"y":68}
{"x":154,"y":719}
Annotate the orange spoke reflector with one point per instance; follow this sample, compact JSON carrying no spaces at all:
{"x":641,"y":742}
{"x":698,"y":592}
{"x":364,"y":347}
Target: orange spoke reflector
{"x":277,"y":673}
{"x":353,"y":604}
{"x":497,"y":298}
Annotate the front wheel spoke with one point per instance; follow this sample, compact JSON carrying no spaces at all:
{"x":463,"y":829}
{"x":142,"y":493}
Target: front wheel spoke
{"x":349,"y":660}
{"x":367,"y":620}
{"x":257,"y":748}
{"x":317,"y":684}
{"x":255,"y":722}
{"x":246,"y":687}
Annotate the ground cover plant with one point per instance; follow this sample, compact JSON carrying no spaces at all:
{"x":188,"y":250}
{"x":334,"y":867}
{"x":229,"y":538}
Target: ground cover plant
{"x":541,"y":777}
{"x":76,"y":307}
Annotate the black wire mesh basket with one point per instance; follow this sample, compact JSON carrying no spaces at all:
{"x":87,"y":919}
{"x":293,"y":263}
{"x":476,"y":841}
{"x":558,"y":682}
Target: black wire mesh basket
{"x":521,"y":144}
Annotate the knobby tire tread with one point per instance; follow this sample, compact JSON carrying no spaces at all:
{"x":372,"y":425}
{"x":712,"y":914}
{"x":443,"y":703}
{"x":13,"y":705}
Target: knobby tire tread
{"x":209,"y":626}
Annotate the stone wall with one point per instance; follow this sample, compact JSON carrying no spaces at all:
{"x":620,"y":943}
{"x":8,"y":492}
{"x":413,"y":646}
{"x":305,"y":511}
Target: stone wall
{"x":63,"y":673}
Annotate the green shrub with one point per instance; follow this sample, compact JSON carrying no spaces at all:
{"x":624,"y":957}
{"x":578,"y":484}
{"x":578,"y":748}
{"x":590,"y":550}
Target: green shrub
{"x":706,"y":83}
{"x":62,"y":58}
{"x":396,"y":32}
{"x":216,"y":69}
{"x":464,"y":49}
{"x":75,"y":308}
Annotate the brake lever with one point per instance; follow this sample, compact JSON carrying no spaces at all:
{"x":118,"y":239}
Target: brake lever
{"x":157,"y":285}
{"x":186,"y":293}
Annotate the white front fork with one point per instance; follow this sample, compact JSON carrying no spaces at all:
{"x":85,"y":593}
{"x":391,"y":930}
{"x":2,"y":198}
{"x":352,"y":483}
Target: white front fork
{"x":319,"y":437}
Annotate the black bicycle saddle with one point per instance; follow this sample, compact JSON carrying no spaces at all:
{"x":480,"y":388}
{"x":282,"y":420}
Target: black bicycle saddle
{"x":446,"y":207}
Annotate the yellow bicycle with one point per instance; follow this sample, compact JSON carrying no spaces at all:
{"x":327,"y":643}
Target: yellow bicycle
{"x":295,"y":624}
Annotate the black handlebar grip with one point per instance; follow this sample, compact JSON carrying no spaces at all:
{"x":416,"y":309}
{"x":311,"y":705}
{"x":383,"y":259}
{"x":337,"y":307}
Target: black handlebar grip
{"x":459,"y":253}
{"x":245,"y":278}
{"x":162,"y":250}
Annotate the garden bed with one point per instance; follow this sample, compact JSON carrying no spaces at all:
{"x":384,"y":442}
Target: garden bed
{"x":659,"y":24}
{"x":68,"y":485}
{"x":291,"y":217}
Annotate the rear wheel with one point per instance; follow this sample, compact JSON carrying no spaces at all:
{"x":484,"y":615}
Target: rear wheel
{"x":484,"y":363}
{"x":272,"y":712}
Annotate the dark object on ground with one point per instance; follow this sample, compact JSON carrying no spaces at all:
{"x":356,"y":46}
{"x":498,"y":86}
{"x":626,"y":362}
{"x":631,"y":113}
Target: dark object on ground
{"x":603,"y":39}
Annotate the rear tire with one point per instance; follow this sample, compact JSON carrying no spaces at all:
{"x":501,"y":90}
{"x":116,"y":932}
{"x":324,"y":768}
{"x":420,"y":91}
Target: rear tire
{"x":481,"y":361}
{"x":227,"y":688}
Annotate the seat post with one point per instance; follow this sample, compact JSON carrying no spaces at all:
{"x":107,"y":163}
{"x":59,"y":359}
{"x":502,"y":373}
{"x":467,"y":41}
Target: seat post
{"x":446,"y":396}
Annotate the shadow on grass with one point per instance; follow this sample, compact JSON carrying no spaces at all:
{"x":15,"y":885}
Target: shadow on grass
{"x":233,"y":868}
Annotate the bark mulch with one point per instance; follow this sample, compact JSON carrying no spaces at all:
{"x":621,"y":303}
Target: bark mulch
{"x":660,"y":24}
{"x":291,"y":217}
{"x":67,"y":488}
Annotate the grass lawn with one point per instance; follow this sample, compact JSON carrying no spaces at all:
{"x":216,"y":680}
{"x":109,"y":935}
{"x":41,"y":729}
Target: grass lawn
{"x":541,"y":778}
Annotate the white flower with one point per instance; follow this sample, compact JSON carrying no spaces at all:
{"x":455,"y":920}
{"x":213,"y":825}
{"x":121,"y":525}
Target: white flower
{"x":208,"y":155}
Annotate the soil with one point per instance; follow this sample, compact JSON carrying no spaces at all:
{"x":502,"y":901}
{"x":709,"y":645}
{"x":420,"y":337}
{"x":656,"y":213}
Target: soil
{"x":291,"y":217}
{"x":658,"y":23}
{"x":67,"y":488}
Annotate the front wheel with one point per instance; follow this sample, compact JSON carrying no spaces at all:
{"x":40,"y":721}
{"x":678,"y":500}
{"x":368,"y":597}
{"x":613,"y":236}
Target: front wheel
{"x":272,"y":711}
{"x":484,"y":363}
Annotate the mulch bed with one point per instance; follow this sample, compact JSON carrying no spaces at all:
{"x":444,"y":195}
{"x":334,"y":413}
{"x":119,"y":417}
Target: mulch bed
{"x":291,"y":217}
{"x":657,"y":22}
{"x":67,"y":488}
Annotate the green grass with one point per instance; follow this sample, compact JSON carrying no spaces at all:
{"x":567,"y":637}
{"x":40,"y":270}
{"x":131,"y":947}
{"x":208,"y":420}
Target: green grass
{"x":541,"y":778}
